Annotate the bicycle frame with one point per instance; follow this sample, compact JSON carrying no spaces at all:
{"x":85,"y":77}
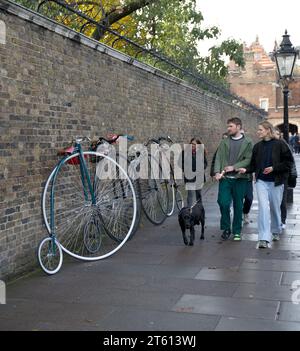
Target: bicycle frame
{"x":84,"y":178}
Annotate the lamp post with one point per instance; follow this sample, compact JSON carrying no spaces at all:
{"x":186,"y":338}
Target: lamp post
{"x":285,"y":59}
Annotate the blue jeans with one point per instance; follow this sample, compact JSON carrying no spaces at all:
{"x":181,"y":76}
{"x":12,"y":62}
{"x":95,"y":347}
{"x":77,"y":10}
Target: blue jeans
{"x":269,"y":215}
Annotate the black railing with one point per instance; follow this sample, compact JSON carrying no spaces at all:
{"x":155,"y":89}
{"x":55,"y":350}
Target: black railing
{"x":195,"y":77}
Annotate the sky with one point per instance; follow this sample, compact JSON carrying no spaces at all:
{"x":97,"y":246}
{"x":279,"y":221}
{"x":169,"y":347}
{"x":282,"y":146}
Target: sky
{"x":244,"y":20}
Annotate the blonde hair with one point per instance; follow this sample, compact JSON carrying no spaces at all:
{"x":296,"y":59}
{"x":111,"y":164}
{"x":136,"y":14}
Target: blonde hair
{"x":269,"y":126}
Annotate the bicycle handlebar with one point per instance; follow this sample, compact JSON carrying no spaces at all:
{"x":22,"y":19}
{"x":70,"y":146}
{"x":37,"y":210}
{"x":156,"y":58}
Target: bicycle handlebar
{"x":94,"y":143}
{"x":79,"y":139}
{"x":168,"y":139}
{"x":113,"y":140}
{"x":158,"y":140}
{"x":152,"y":140}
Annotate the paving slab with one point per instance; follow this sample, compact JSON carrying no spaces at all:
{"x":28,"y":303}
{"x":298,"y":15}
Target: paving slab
{"x":27,"y":314}
{"x":135,"y":320}
{"x":243,"y":324}
{"x":157,"y":301}
{"x":290,"y":311}
{"x":191,"y":286}
{"x":271,"y":265}
{"x":289,"y":278}
{"x":267,"y":254}
{"x":233,"y":274}
{"x":260,"y":291}
{"x":225,"y":306}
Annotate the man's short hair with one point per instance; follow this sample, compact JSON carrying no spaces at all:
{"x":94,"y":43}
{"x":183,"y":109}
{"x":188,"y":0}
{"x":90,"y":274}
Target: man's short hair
{"x":235,"y":120}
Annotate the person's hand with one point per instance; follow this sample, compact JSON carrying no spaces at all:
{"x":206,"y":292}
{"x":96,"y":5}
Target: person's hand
{"x":219,"y":176}
{"x":241,"y":170}
{"x":229,"y":169}
{"x":268,"y":170}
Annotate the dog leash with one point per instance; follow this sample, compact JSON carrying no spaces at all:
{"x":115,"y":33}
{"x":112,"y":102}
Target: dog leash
{"x":194,"y":205}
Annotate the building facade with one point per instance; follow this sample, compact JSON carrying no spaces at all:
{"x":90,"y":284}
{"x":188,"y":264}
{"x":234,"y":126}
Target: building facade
{"x":257,"y":82}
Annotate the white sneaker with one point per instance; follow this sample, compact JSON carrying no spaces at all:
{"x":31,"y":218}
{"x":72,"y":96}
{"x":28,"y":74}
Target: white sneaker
{"x":246,"y":218}
{"x":262,"y":244}
{"x":283,"y":225}
{"x":275,"y":237}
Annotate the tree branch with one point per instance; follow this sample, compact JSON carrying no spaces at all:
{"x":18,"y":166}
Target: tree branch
{"x":118,"y":13}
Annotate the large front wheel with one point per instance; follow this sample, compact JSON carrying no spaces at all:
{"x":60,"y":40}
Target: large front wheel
{"x":94,"y":206}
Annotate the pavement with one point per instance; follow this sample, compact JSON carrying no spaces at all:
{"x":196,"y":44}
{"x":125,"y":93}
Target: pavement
{"x":155,"y":283}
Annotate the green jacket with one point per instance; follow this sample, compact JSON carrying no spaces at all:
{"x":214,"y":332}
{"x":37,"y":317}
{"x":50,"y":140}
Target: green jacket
{"x":244,"y":156}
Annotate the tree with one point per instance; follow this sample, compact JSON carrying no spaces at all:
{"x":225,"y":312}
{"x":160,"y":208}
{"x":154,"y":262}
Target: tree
{"x":171,"y":27}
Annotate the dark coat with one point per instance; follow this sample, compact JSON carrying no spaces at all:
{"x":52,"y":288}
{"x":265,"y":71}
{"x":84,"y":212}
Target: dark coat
{"x":282,"y":160}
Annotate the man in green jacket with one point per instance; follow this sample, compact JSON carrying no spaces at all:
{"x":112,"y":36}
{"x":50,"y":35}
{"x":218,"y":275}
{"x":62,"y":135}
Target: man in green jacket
{"x":233,"y":152}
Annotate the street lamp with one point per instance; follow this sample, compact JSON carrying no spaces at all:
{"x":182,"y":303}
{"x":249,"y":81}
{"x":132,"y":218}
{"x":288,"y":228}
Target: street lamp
{"x":285,"y":59}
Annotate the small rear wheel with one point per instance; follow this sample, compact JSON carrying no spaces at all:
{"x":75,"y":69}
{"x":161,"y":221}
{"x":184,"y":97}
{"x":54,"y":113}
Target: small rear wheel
{"x":92,"y":235}
{"x":50,"y":255}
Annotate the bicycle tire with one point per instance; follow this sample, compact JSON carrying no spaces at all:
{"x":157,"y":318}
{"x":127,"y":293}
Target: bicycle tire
{"x":132,"y":175}
{"x":52,"y":262}
{"x":154,"y":195}
{"x":169,"y":174}
{"x":179,"y":200}
{"x":70,"y":197}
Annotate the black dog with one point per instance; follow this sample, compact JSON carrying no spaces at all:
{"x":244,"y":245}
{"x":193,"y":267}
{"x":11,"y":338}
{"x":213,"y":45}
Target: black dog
{"x":188,"y":218}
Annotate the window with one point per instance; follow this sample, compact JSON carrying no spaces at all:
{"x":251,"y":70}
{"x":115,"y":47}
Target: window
{"x":264,"y":104}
